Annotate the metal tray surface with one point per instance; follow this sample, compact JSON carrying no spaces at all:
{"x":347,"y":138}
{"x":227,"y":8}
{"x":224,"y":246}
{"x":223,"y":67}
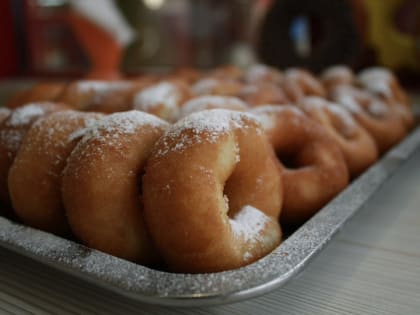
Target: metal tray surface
{"x":147,"y":285}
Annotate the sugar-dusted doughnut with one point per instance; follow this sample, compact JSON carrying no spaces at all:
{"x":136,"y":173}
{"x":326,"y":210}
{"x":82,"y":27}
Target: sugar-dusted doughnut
{"x":298,"y":83}
{"x":39,"y":92}
{"x":263,"y":93}
{"x":355,"y":142}
{"x":216,"y":86}
{"x":39,"y":163}
{"x":262,"y":73}
{"x":101,"y":96}
{"x":12,"y":132}
{"x":101,"y":185}
{"x":212,"y":192}
{"x":211,"y":102}
{"x":384,"y":84}
{"x":163,"y":99}
{"x":376,"y":116}
{"x":314,"y":167}
{"x":337,"y":75}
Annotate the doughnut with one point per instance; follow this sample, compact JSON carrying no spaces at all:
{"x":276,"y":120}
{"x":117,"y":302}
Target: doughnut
{"x":355,"y":142}
{"x":186,"y":74}
{"x":212,"y":192}
{"x":384,"y":84}
{"x":12,"y":132}
{"x":100,"y":96}
{"x":163,"y":99}
{"x":226,"y":72}
{"x":211,"y":102}
{"x":314,"y":167}
{"x":263,"y":93}
{"x":216,"y":86}
{"x":262,"y":73}
{"x":39,"y":163}
{"x":337,"y":75}
{"x":299,"y":83}
{"x":101,"y":185}
{"x":378,"y":118}
{"x":39,"y":92}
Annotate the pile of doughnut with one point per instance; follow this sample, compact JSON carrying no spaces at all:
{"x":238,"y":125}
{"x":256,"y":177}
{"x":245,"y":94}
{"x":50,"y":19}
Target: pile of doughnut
{"x":193,"y":171}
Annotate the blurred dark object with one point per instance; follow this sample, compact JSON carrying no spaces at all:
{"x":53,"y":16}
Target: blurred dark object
{"x":52,"y":47}
{"x":8,"y":46}
{"x":312,"y":34}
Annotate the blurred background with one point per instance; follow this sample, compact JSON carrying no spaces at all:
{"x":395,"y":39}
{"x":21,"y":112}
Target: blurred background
{"x":67,"y":38}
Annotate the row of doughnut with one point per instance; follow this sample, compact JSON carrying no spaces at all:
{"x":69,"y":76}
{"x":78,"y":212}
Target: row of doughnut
{"x":192,"y":171}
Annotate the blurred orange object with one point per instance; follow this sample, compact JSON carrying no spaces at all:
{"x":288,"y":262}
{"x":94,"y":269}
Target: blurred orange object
{"x":103,"y":50}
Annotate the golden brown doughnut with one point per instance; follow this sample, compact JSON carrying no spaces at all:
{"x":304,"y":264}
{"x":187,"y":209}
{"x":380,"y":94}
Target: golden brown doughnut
{"x":262,"y":73}
{"x":263,"y":93}
{"x":357,"y":145}
{"x":163,"y":99}
{"x":384,"y":84}
{"x":378,"y":118}
{"x":298,"y":83}
{"x":337,"y":75}
{"x":314,"y":167}
{"x":101,"y":96}
{"x":211,"y":102}
{"x":12,"y":132}
{"x":212,"y":192}
{"x":226,"y":72}
{"x":39,"y":92}
{"x":101,"y":185}
{"x":216,"y":86}
{"x":39,"y":163}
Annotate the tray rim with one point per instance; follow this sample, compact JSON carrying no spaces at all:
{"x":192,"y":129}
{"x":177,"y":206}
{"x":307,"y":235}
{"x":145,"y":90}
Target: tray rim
{"x":170,"y":289}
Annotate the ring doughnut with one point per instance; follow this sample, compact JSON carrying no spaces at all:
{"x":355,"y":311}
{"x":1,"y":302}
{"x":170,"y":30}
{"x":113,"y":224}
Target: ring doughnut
{"x":39,"y":163}
{"x":40,"y":92}
{"x":378,"y":118}
{"x":337,"y":75}
{"x":212,"y":192}
{"x":212,"y":102}
{"x":12,"y":132}
{"x":314,"y":167}
{"x":355,"y":142}
{"x":101,"y":96}
{"x":100,"y":185}
{"x":163,"y":99}
{"x":216,"y":86}
{"x":299,"y":83}
{"x":384,"y":84}
{"x":263,"y":93}
{"x":262,"y":73}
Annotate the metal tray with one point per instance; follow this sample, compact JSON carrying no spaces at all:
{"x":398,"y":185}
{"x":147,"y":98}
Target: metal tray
{"x":147,"y":285}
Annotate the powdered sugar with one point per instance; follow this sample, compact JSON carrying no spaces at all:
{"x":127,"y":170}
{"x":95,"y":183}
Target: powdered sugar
{"x":164,"y":93}
{"x":207,"y":125}
{"x":204,"y":86}
{"x":111,"y":127}
{"x":101,"y":87}
{"x":26,"y":114}
{"x":338,"y":71}
{"x":377,"y":80}
{"x":313,"y":102}
{"x":266,"y":114}
{"x":248,"y":225}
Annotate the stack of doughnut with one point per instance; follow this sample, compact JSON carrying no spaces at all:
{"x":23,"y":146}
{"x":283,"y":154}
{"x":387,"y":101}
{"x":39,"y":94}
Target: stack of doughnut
{"x":193,"y":171}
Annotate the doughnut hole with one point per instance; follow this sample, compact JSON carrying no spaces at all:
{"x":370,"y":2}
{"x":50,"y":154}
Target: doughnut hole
{"x":200,"y":218}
